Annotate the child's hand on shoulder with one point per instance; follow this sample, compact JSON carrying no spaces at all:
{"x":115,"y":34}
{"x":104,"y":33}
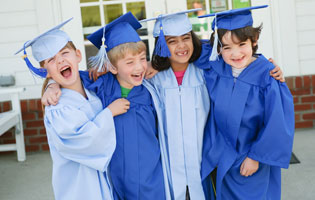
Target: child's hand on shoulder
{"x":119,"y":106}
{"x":150,"y":72}
{"x":94,"y":74}
{"x":51,"y":95}
{"x":249,"y":167}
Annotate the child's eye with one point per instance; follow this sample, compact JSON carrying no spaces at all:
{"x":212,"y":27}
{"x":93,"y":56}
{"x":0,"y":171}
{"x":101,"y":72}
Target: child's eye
{"x":187,"y":38}
{"x":50,"y":60}
{"x":242,"y":44}
{"x":65,"y":52}
{"x":129,"y":63}
{"x":143,"y":58}
{"x":171,"y":42}
{"x":226,"y":48}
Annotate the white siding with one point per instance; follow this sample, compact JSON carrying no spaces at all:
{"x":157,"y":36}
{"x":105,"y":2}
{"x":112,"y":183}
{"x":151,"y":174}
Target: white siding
{"x":305,"y":15}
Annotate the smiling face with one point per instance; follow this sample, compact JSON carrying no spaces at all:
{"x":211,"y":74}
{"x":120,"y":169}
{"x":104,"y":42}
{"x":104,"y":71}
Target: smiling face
{"x":130,"y":69}
{"x":235,"y":53}
{"x":181,"y":48}
{"x":64,"y":66}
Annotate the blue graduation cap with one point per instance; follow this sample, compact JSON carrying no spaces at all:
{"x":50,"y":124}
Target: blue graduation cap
{"x":121,"y":30}
{"x":230,"y":20}
{"x":174,"y":24}
{"x":45,"y":46}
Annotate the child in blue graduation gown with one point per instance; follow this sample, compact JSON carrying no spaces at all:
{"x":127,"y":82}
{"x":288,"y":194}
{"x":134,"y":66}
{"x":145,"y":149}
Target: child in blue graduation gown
{"x":135,"y":168}
{"x":180,"y":91}
{"x":182,"y":100}
{"x":81,"y":134}
{"x":250,"y":132}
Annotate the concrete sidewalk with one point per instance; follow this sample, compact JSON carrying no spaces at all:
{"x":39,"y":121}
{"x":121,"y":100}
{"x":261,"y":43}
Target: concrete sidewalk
{"x":31,"y":180}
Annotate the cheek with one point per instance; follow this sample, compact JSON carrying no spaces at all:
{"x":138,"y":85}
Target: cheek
{"x":224,"y":54}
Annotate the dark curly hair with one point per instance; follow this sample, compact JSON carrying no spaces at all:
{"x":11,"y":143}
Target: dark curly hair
{"x":161,"y":63}
{"x":242,"y":34}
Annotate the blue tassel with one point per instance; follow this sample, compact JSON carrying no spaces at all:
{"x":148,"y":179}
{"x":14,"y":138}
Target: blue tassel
{"x":101,"y":61}
{"x":40,"y":72}
{"x":161,"y":48}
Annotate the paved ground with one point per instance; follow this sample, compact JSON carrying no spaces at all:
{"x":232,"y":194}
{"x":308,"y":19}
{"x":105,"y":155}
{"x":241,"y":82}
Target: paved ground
{"x":31,"y":180}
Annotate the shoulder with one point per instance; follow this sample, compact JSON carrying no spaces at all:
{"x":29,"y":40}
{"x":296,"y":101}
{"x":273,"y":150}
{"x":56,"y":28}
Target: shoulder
{"x":68,"y":98}
{"x":258,"y":72}
{"x":203,"y":60}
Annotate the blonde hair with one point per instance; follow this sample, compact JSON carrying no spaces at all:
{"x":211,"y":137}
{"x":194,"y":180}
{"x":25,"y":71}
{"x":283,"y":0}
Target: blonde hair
{"x":69,"y":45}
{"x":120,"y":51}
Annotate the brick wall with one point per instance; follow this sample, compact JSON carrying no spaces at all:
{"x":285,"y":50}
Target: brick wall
{"x":302,"y":89}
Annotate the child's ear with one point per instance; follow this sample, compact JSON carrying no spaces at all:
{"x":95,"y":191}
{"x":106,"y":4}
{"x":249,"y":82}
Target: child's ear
{"x":113,"y":70}
{"x":79,"y":55}
{"x":254,"y":44}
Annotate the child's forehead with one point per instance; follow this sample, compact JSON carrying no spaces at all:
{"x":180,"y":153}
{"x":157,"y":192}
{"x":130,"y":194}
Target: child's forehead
{"x":230,"y":37}
{"x":186,"y":34}
{"x":133,"y":53}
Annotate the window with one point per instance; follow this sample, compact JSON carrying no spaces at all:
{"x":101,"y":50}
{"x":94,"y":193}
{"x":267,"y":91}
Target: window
{"x":202,"y":25}
{"x":97,"y":13}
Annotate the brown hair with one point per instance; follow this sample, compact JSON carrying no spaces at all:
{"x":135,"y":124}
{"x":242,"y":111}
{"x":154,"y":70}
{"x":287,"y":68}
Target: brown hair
{"x":242,"y":34}
{"x":120,"y":51}
{"x":69,"y":45}
{"x":161,"y":63}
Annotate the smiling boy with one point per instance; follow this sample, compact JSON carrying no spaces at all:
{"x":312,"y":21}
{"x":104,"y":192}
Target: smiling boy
{"x":135,"y":168}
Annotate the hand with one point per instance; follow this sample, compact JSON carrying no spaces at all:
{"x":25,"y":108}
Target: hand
{"x":249,"y":167}
{"x":51,"y":95}
{"x":119,"y":106}
{"x":150,"y":71}
{"x":276,"y":73}
{"x":93,"y":73}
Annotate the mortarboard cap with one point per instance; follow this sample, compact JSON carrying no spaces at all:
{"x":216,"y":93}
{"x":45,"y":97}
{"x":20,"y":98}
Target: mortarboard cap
{"x":45,"y":46}
{"x":121,"y":30}
{"x":174,"y":24}
{"x":230,"y":20}
{"x":233,"y":19}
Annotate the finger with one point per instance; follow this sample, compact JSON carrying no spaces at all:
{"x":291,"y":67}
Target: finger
{"x":242,"y":167}
{"x":282,"y":80}
{"x":45,"y":102}
{"x":94,"y":76}
{"x":90,"y":74}
{"x":243,"y":172}
{"x":58,"y":94}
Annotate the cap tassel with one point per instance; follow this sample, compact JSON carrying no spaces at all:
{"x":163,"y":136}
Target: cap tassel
{"x":161,"y":48}
{"x":214,"y":53}
{"x":101,"y":61}
{"x":40,"y":72}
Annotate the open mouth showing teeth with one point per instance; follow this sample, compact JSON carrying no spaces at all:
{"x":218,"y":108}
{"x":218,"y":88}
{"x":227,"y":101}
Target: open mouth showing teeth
{"x":137,"y":75}
{"x":182,"y":53}
{"x":66,"y":72}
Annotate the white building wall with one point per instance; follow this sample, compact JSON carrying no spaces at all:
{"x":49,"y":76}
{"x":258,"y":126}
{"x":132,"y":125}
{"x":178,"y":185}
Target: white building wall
{"x":305,"y":20}
{"x":292,"y":33}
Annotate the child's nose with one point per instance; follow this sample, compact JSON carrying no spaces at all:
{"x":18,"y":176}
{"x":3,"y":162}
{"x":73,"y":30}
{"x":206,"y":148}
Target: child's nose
{"x":60,"y":59}
{"x":235,"y":52}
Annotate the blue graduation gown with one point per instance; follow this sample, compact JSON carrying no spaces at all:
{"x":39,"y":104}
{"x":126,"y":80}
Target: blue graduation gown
{"x":252,"y":116}
{"x":135,"y":168}
{"x":182,"y":114}
{"x":81,"y":137}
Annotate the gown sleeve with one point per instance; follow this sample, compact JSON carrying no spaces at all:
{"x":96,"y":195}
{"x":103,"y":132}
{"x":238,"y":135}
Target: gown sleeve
{"x":203,"y":61}
{"x":80,"y":139}
{"x":274,"y":142}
